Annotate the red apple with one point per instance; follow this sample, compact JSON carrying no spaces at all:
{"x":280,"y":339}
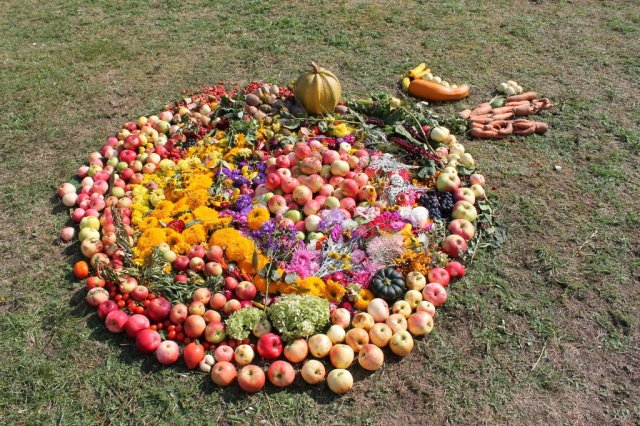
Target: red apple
{"x":203,"y":295}
{"x":159,"y":309}
{"x":230,"y":283}
{"x":251,"y":378}
{"x":105,"y":307}
{"x":246,"y":290}
{"x":454,"y":245}
{"x":136,"y":324}
{"x":116,"y":321}
{"x":194,"y":326}
{"x":179,"y":313}
{"x":371,"y":357}
{"x":455,"y":269}
{"x":270,"y":346}
{"x":435,"y":293}
{"x":223,"y":373}
{"x":341,"y":356}
{"x":420,"y":323}
{"x":214,"y":332}
{"x":140,"y":293}
{"x":181,"y":263}
{"x":439,"y":275}
{"x":462,"y":227}
{"x":217,"y":301}
{"x":223,"y":353}
{"x":147,"y":341}
{"x":168,"y":352}
{"x":281,"y":373}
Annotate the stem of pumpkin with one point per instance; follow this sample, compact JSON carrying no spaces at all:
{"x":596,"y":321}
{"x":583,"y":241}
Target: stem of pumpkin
{"x":316,"y":67}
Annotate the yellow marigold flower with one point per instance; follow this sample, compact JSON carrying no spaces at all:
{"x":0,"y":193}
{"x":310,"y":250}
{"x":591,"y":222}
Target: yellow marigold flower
{"x":180,"y":206}
{"x":223,"y":236}
{"x":198,"y":181}
{"x":149,"y":239}
{"x":195,"y":234}
{"x":148,"y":222}
{"x":257,"y":217}
{"x":198,"y":198}
{"x":187,"y":217}
{"x":240,"y":249}
{"x":182,"y":248}
{"x":205,"y":214}
{"x":334,"y":291}
{"x":174,"y":238}
{"x":364,"y":298}
{"x":313,"y":285}
{"x":164,"y":209}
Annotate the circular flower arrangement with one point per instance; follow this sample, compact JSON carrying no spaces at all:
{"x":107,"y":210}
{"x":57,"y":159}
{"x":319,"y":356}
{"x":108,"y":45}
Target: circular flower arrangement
{"x":231,"y":229}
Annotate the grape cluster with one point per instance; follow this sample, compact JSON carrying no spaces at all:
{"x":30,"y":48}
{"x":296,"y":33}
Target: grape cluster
{"x":446,"y":203}
{"x":431,"y":203}
{"x":439,"y":204}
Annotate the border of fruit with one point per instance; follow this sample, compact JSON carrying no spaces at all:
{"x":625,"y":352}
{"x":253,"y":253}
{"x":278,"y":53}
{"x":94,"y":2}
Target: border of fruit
{"x":233,"y":229}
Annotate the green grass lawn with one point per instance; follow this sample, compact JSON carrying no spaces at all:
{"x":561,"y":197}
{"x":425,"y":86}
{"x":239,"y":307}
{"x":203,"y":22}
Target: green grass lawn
{"x":543,"y":331}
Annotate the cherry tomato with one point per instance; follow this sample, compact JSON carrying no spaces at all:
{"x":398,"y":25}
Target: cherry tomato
{"x":139,"y":310}
{"x":154,"y":328}
{"x":146,"y":302}
{"x":171,"y":327}
{"x":121,"y":304}
{"x":151,"y":296}
{"x":81,"y":269}
{"x":125,"y":297}
{"x":118,"y":297}
{"x":171,"y":335}
{"x":180,"y":336}
{"x":179,"y":328}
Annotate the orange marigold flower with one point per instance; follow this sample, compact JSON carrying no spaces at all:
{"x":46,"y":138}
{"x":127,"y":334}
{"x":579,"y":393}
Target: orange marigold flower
{"x":195,"y":234}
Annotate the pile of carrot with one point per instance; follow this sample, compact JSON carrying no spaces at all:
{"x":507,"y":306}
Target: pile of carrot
{"x":488,"y":122}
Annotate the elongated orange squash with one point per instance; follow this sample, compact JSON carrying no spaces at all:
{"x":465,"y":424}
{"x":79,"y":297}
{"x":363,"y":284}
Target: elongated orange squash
{"x":430,"y":91}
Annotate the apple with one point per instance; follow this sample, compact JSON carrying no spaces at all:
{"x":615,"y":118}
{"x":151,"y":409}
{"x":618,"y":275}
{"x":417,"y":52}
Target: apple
{"x":464,"y":210}
{"x":439,"y":275}
{"x":363,"y":320}
{"x":246,"y":290}
{"x":454,"y":245}
{"x":371,"y":357}
{"x":313,"y":372}
{"x":402,"y":307}
{"x":281,"y":374}
{"x":462,"y":227}
{"x":197,"y":308}
{"x":413,"y":297}
{"x":140,"y":293}
{"x":339,"y":168}
{"x":135,"y":324}
{"x":147,"y":341}
{"x":478,"y":192}
{"x":251,"y":378}
{"x":262,"y":327}
{"x":203,"y":295}
{"x":357,"y":338}
{"x":455,"y":269}
{"x":244,"y":354}
{"x":341,"y":317}
{"x":223,"y":373}
{"x":448,"y":182}
{"x":105,"y":307}
{"x":296,"y":351}
{"x":420,"y":323}
{"x":211,"y":316}
{"x":378,"y":309}
{"x":319,"y":345}
{"x":214,"y":332}
{"x":277,"y":204}
{"x":426,"y":306}
{"x":464,"y":194}
{"x":435,"y":293}
{"x":336,"y":334}
{"x":194,"y":326}
{"x":397,"y":322}
{"x":230,"y":283}
{"x":116,"y":321}
{"x":178,"y":313}
{"x":96,"y":296}
{"x":477,"y":179}
{"x":380,"y":334}
{"x":415,"y":281}
{"x":214,"y":254}
{"x":159,"y":309}
{"x":168,"y":352}
{"x":127,"y":285}
{"x":217,"y":301}
{"x":231,"y":306}
{"x":340,"y":381}
{"x":270,"y":346}
{"x":341,"y":356}
{"x":181,"y":263}
{"x":401,"y":343}
{"x":196,"y":264}
{"x":223,"y":353}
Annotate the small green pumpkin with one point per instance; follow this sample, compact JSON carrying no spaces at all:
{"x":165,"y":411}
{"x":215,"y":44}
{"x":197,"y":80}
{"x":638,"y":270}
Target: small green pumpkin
{"x":388,"y":284}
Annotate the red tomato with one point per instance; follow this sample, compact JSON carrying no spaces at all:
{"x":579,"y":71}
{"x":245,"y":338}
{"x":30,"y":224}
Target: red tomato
{"x":121,"y":304}
{"x":193,"y":354}
{"x":81,"y":269}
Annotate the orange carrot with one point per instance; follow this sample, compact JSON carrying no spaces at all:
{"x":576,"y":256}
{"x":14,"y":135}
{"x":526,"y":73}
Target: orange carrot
{"x":524,"y":109}
{"x":484,"y":134}
{"x":482,"y":109}
{"x":541,"y":127}
{"x":502,"y":110}
{"x":484,"y":119}
{"x":503,"y":116}
{"x":528,"y":96}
